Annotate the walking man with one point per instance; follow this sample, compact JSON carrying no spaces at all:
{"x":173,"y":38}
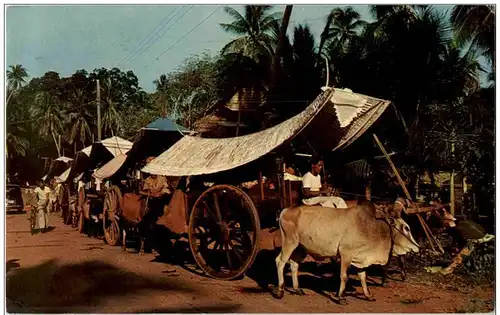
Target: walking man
{"x":42,"y":194}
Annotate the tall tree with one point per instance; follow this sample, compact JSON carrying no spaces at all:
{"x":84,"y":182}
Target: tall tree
{"x":16,"y":78}
{"x":476,"y":24}
{"x":161,"y":97}
{"x":79,"y":118}
{"x":111,"y":118}
{"x":342,"y":25}
{"x":254,"y":28}
{"x":48,"y":115}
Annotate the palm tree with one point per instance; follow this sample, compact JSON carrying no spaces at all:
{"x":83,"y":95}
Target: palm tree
{"x":16,"y":78}
{"x":254,"y":29}
{"x":78,"y":118}
{"x":111,"y":119}
{"x":476,"y":24}
{"x":342,"y":25}
{"x":16,"y":141}
{"x":161,"y":93}
{"x":48,"y":112}
{"x":161,"y":83}
{"x":305,"y":62}
{"x":462,"y":70}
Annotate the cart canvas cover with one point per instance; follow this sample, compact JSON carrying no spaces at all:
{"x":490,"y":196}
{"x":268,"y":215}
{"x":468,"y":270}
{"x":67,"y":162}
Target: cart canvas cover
{"x":110,"y":168}
{"x":339,"y":116}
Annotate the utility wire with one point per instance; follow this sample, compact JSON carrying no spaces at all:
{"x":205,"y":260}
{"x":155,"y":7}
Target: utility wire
{"x":180,"y":39}
{"x":143,"y":42}
{"x":175,"y":22}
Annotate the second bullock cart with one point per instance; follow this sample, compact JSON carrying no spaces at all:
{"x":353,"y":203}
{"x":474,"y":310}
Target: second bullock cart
{"x":224,"y":200}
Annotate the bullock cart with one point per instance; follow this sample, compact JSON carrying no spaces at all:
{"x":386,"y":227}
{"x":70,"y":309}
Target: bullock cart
{"x":87,"y":160}
{"x":124,"y":206}
{"x":223,"y":214}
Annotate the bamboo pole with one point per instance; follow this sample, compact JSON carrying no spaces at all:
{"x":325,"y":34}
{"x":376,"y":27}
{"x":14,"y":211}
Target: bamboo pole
{"x":261,"y":185}
{"x":427,"y":231}
{"x":452,"y":182}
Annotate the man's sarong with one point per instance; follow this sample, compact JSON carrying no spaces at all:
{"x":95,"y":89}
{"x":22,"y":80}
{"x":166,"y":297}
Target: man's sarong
{"x":331,"y":202}
{"x":42,"y":216}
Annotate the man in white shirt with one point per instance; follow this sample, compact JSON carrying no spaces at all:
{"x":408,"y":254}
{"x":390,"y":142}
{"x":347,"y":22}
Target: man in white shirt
{"x":42,"y":194}
{"x":313,"y":191}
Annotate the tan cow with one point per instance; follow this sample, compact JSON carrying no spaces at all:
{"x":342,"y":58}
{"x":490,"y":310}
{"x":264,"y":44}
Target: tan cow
{"x":353,"y":234}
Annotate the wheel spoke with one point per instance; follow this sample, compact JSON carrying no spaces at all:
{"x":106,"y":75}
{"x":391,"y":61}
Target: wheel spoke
{"x":210,"y":212}
{"x":236,"y":253}
{"x":223,"y":240}
{"x":217,"y":208}
{"x":229,"y":262}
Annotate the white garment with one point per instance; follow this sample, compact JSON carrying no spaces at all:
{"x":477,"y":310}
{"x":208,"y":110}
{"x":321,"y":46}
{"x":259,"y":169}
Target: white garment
{"x":42,"y":216}
{"x":80,"y":185}
{"x":326,"y":201}
{"x":98,"y":184}
{"x":42,"y":194}
{"x":312,"y":182}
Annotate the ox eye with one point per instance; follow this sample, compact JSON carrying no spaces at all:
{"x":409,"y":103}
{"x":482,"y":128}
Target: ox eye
{"x":406,"y":229}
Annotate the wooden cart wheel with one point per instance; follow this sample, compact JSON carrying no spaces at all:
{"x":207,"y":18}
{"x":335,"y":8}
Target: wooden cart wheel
{"x":111,"y":225}
{"x":80,"y":201}
{"x":224,"y":231}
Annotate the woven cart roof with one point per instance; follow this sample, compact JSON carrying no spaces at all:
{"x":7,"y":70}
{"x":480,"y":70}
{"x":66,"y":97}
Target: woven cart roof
{"x":197,"y":156}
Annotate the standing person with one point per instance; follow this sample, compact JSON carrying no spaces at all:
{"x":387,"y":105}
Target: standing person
{"x":314,"y":192}
{"x":54,"y":196}
{"x":42,"y":194}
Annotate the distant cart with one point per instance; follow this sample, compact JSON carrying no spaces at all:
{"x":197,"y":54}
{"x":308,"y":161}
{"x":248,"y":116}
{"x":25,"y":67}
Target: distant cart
{"x":223,"y":201}
{"x":123,"y":174}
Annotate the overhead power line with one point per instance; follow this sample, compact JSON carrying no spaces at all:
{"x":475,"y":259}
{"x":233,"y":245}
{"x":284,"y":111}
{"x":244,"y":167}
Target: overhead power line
{"x":159,"y":26}
{"x":157,"y":38}
{"x":185,"y":35}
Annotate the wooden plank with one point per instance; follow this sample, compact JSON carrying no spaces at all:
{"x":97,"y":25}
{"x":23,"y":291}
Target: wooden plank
{"x":413,"y":210}
{"x":400,"y":180}
{"x":427,"y":231}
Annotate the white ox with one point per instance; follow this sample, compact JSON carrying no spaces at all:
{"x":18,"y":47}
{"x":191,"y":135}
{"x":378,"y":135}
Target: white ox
{"x":353,"y":234}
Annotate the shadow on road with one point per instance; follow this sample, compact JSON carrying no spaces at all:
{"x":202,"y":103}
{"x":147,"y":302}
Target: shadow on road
{"x":11,"y":263}
{"x":224,"y":308}
{"x":54,"y":288}
{"x":321,"y":278}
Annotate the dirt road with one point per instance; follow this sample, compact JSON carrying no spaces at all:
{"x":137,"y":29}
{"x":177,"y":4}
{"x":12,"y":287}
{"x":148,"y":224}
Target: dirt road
{"x":65,"y":271}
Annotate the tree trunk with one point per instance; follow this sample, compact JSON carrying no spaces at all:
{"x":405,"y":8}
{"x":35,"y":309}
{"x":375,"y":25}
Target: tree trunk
{"x":55,"y":142}
{"x":281,"y":42}
{"x":9,"y":97}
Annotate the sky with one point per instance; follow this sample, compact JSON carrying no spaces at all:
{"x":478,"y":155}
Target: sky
{"x":150,"y":40}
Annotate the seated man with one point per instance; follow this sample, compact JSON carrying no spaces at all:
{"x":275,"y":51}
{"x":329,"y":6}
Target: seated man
{"x":314,"y":192}
{"x":155,"y":186}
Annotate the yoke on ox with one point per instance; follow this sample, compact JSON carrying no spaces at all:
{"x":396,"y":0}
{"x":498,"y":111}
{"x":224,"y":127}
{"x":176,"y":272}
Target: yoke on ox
{"x":353,"y":234}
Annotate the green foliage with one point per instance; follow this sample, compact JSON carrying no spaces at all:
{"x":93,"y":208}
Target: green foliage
{"x":186,"y":93}
{"x":48,"y":107}
{"x":411,"y":54}
{"x":257,"y":30}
